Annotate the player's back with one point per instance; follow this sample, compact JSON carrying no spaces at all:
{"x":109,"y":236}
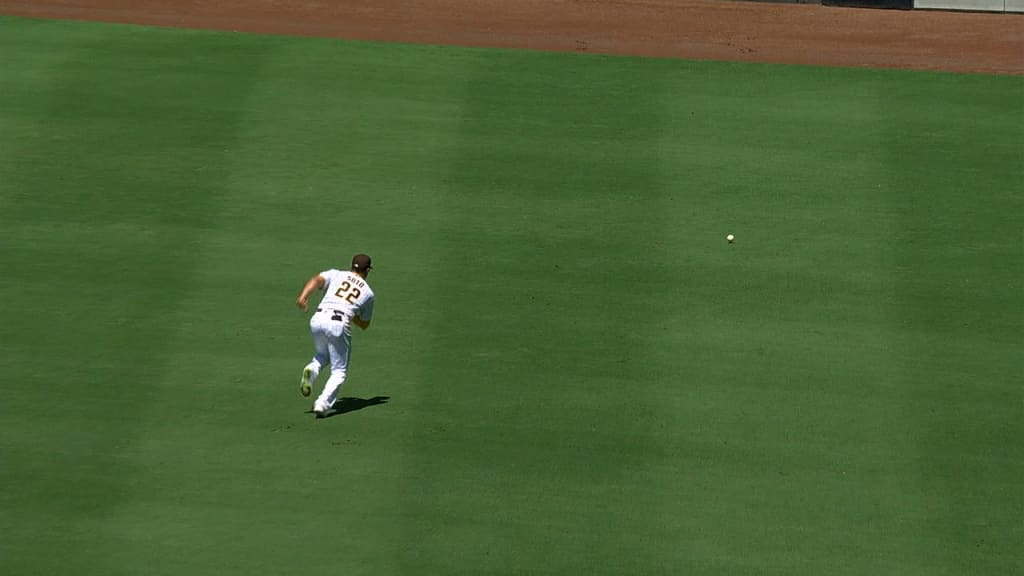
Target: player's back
{"x":347,"y":292}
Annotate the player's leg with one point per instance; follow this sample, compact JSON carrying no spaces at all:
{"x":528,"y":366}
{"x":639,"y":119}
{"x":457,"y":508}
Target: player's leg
{"x":322,"y":356}
{"x":338,"y":348}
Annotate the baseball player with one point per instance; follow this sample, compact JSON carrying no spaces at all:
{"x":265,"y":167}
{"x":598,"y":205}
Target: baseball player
{"x":347,"y":300}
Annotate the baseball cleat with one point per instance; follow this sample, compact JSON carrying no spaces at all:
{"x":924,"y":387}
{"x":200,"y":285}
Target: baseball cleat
{"x":304,"y":385}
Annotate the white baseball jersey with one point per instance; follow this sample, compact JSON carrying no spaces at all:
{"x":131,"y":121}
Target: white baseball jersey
{"x":347,"y":293}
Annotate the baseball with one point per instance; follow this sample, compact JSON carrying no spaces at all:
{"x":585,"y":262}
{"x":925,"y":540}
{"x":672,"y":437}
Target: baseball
{"x":730,"y":237}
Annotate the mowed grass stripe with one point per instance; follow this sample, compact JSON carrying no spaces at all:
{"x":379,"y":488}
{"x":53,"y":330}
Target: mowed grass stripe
{"x":785,"y":400}
{"x":955,"y":167}
{"x":115,"y":146}
{"x":538,"y":419}
{"x":327,"y":166}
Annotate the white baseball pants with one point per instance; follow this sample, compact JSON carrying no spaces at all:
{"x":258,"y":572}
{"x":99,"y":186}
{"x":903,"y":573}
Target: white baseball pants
{"x":333,"y":341}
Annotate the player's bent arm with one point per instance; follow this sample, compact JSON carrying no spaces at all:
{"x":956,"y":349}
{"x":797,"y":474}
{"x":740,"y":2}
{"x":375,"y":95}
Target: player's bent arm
{"x":364,"y":324}
{"x":315,"y":283}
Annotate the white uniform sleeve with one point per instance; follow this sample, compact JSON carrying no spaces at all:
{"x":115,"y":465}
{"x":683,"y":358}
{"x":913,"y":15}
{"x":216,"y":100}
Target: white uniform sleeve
{"x":366,"y":310}
{"x":328,"y":276}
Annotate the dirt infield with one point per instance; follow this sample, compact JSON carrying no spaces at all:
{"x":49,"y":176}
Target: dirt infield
{"x":698,"y":29}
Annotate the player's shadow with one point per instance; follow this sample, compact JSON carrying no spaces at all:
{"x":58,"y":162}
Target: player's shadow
{"x":348,"y":404}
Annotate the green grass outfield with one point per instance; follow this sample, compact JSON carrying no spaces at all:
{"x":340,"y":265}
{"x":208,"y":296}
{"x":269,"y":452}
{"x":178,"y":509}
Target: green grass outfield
{"x":583,"y":376}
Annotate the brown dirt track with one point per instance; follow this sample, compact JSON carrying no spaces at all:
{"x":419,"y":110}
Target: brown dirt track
{"x":698,"y":29}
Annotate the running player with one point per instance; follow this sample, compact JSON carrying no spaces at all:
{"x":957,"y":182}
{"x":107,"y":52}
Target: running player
{"x":347,"y":300}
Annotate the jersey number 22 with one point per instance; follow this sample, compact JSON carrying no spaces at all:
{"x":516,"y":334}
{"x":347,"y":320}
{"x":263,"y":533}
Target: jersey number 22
{"x":353,"y":293}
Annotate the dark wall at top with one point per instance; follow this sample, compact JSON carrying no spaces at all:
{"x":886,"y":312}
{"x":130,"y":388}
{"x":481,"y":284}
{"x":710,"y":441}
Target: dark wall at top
{"x":897,"y":4}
